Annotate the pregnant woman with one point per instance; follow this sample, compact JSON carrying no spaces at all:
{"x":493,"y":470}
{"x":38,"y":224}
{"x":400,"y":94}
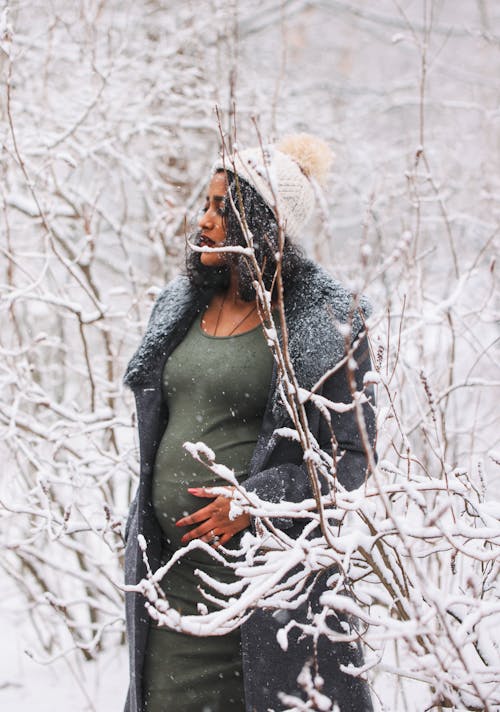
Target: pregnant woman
{"x":204,"y":372}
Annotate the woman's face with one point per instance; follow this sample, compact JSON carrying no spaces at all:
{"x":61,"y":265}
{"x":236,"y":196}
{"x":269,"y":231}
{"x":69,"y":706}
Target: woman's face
{"x":213,"y":232}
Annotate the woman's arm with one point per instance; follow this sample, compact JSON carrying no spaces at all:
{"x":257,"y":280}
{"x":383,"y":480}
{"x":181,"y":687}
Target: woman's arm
{"x":290,"y":481}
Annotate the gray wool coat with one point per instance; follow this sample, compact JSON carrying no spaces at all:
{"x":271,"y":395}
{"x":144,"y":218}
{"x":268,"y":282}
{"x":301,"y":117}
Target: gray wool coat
{"x":315,"y":303}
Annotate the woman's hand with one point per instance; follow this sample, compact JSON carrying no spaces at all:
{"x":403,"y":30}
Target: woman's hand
{"x":213,"y":520}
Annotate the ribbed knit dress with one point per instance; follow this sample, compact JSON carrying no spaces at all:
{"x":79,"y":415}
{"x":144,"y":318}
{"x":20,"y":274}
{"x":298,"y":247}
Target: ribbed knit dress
{"x":216,"y":388}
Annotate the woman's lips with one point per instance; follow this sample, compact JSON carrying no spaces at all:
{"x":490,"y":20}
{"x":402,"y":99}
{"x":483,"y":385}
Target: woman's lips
{"x":206,"y":241}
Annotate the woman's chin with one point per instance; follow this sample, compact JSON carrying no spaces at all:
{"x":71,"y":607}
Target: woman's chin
{"x":211,"y":260}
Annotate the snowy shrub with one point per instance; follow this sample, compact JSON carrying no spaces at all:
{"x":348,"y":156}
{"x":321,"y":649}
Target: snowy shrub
{"x":108,"y":132}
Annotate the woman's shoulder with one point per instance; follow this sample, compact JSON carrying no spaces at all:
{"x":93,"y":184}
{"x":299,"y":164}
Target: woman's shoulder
{"x":172,"y":303}
{"x":180,"y":284}
{"x":314,"y":288}
{"x":172,"y":299}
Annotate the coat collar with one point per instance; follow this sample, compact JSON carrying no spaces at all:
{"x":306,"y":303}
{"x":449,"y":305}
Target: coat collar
{"x":316,"y":305}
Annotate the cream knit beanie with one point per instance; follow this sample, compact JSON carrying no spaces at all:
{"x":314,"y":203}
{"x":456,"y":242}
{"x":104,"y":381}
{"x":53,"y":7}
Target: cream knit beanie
{"x":283,"y":174}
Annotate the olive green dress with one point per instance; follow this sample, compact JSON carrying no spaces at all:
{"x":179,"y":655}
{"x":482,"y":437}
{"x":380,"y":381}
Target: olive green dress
{"x":216,"y":389}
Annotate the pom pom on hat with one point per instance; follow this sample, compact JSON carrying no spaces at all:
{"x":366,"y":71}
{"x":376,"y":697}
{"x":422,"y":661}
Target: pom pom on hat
{"x":312,"y":154}
{"x":283,"y":175}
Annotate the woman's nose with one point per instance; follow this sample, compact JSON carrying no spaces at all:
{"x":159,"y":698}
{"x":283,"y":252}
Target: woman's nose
{"x":205,"y":220}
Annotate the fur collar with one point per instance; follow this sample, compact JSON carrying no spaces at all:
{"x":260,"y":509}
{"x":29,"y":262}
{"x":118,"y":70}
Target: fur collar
{"x":315,"y":305}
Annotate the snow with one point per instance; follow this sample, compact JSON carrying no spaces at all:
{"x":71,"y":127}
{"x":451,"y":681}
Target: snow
{"x":109,"y":135}
{"x":371,"y":377}
{"x":68,"y":682}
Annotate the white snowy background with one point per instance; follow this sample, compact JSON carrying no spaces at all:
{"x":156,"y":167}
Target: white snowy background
{"x":108,"y":131}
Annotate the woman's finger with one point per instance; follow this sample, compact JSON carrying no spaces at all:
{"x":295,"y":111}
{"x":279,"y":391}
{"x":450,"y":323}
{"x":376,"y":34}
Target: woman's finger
{"x":199,"y":516}
{"x":204,"y":492}
{"x":218,"y":508}
{"x":223,"y":539}
{"x":207,"y":528}
{"x":212,"y":538}
{"x":214,"y":515}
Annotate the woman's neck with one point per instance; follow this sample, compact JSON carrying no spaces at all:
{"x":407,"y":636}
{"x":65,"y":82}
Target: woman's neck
{"x":232,"y":296}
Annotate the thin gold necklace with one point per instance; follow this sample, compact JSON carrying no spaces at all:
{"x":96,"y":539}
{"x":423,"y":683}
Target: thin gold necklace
{"x":238,"y":324}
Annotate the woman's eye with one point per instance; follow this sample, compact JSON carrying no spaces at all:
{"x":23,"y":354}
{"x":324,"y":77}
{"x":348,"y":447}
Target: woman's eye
{"x":219,"y":211}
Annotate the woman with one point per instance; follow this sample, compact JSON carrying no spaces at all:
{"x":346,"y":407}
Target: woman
{"x":203,"y":371}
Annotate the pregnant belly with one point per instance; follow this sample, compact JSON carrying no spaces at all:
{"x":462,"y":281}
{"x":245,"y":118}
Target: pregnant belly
{"x":171,"y":501}
{"x":175,"y":471}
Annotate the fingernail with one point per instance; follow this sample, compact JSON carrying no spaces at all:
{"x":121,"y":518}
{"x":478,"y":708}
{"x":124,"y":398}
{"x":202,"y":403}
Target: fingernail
{"x":193,"y":489}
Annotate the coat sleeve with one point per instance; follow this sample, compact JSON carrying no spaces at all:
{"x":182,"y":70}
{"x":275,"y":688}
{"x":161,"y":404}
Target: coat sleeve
{"x":290,"y":481}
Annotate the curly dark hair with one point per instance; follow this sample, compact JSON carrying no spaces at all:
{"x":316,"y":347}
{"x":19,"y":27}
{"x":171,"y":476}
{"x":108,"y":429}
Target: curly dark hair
{"x":264,"y":227}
